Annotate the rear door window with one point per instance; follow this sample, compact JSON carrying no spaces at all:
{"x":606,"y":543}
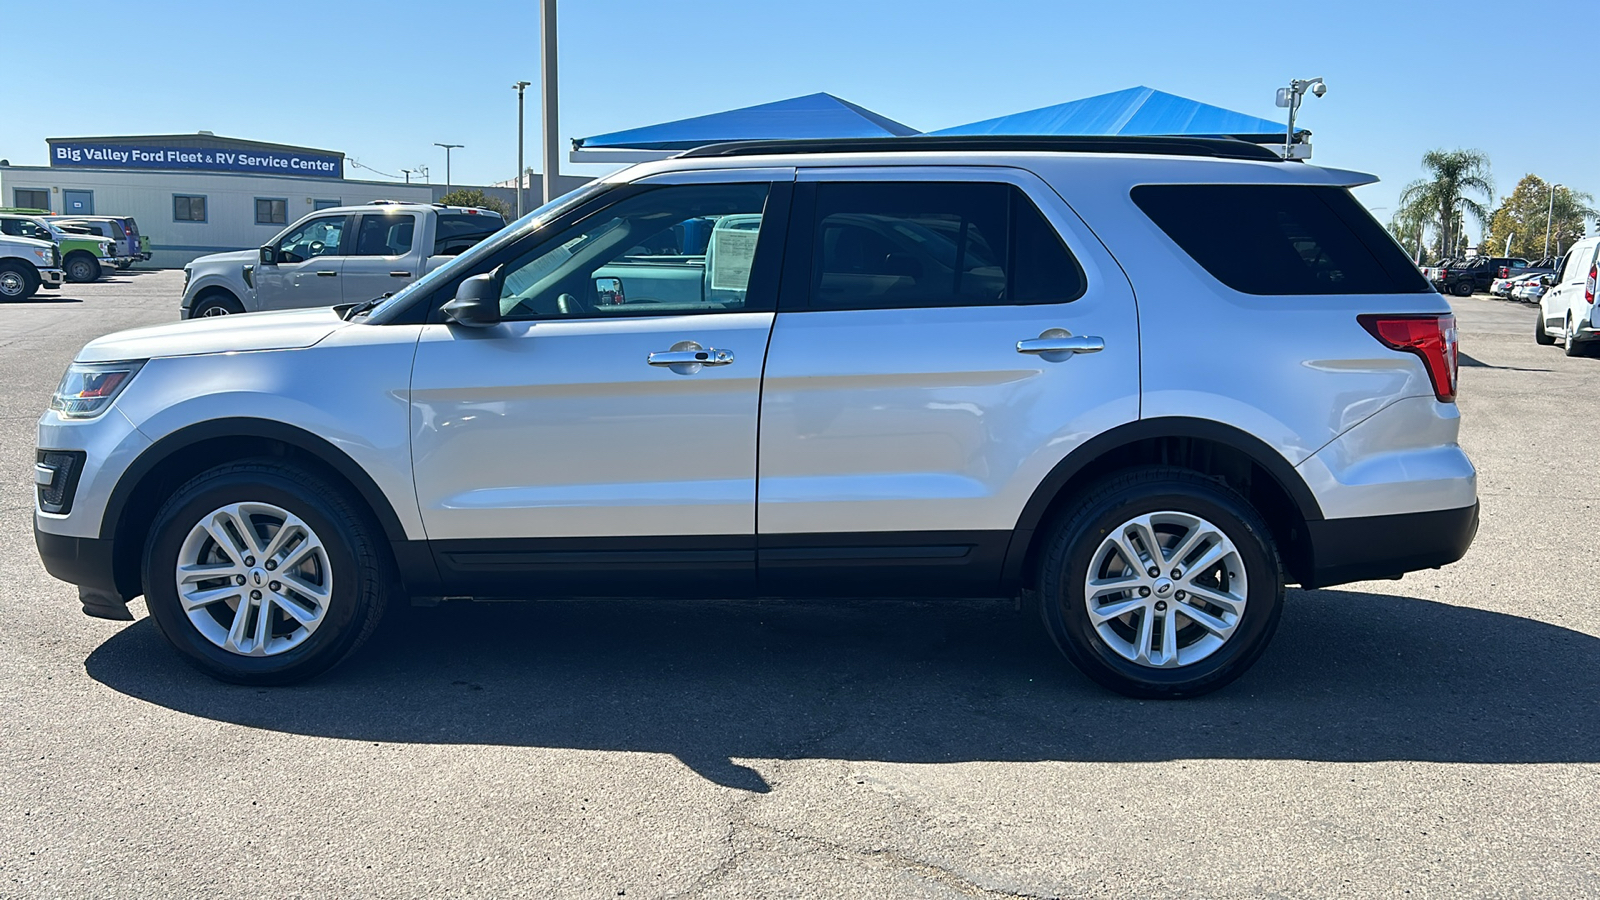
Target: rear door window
{"x":1279,"y":239}
{"x":457,"y":232}
{"x":385,"y":235}
{"x":900,"y":245}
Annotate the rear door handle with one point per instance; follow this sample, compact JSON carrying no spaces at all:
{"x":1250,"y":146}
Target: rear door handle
{"x":1059,"y":340}
{"x":399,"y":274}
{"x":327,"y":273}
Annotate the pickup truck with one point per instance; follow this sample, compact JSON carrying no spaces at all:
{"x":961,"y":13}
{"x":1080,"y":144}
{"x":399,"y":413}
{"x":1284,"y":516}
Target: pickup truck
{"x":333,"y":256}
{"x":84,"y":257}
{"x":1475,"y":273}
{"x":26,"y":265}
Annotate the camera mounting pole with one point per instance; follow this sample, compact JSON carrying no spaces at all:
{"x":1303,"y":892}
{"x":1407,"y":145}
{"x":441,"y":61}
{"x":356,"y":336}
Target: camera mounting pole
{"x":1290,"y":97}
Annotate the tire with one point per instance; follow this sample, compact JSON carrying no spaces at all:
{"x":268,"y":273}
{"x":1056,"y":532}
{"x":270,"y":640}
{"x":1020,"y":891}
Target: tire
{"x":81,"y":267}
{"x":1462,"y":289}
{"x":18,"y":281}
{"x":342,"y":558}
{"x":1571,"y":344}
{"x":1184,"y":504}
{"x":216,"y":304}
{"x":1540,"y":336}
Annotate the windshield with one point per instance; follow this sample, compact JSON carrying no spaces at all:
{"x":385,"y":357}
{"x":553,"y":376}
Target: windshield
{"x":529,"y":223}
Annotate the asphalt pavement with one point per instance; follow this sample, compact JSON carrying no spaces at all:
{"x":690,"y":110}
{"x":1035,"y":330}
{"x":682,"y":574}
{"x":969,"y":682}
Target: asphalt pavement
{"x":1437,"y":736}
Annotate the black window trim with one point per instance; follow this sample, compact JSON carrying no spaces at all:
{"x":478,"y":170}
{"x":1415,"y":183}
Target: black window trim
{"x":205,"y":208}
{"x":795,"y":292}
{"x":283,"y":200}
{"x":764,"y":276}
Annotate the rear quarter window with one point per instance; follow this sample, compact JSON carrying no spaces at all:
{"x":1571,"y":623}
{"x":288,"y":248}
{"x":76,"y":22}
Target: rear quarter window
{"x":1278,"y":239}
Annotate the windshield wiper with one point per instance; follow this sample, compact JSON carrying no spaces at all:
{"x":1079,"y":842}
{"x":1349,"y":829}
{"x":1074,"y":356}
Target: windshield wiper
{"x":365,"y":305}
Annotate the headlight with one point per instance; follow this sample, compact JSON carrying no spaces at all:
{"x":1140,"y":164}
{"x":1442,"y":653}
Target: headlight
{"x":105,"y":249}
{"x":87,"y":389}
{"x":43,"y":254}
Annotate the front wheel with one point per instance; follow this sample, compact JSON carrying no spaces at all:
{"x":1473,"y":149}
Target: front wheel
{"x":1540,"y":335}
{"x":18,"y":281}
{"x":265,"y":573}
{"x":1161,"y":583}
{"x":82,"y":268}
{"x":216,"y":304}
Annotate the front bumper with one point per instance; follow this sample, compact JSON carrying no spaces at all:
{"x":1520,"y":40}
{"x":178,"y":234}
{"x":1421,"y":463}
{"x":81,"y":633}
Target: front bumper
{"x":145,"y":256}
{"x":51,"y":278}
{"x":1373,"y":547}
{"x":89,"y":564}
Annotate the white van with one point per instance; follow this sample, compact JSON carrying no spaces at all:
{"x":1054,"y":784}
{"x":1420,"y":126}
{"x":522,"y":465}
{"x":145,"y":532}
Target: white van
{"x":1567,"y":309}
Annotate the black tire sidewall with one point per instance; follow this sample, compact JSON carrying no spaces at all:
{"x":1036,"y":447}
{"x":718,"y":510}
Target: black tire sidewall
{"x":1067,"y":615}
{"x":231,"y":307}
{"x":91,"y":266}
{"x":347,"y":608}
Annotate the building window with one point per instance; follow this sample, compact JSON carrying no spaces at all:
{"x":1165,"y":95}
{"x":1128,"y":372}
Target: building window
{"x":188,"y":208}
{"x":272,"y":211}
{"x":31,"y":198}
{"x":323,"y":204}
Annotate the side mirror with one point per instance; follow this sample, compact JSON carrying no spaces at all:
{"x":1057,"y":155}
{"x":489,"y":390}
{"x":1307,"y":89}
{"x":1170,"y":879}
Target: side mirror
{"x":477,"y":302}
{"x":608,"y":292}
{"x":269,"y":256}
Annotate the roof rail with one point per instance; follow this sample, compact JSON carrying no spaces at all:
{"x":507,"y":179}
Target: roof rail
{"x":1218,"y":147}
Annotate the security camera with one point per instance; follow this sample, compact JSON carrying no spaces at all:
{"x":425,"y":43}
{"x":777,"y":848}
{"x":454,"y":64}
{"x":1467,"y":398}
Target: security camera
{"x":1319,"y":89}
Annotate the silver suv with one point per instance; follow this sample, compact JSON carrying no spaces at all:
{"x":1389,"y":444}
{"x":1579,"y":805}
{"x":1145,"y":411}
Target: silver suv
{"x":1146,"y":382}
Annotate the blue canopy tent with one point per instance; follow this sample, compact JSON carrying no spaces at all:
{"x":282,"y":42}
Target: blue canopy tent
{"x":1135,"y":111}
{"x":811,"y":116}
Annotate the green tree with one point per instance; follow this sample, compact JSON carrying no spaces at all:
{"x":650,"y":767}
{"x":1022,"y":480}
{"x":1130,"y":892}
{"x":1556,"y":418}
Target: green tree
{"x":478,"y":199}
{"x":1409,"y":225}
{"x":1526,"y":213}
{"x":1447,"y":195}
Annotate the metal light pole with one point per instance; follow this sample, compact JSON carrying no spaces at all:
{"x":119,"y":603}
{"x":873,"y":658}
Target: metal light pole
{"x":447,"y":149}
{"x":547,"y":90}
{"x":1549,"y":216}
{"x":519,"y":87}
{"x":408,"y":175}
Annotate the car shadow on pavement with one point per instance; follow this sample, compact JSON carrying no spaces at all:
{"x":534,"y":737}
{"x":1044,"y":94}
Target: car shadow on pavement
{"x":43,"y":298}
{"x":1350,"y":677}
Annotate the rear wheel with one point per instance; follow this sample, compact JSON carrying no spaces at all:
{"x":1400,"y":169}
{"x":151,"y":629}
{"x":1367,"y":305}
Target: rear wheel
{"x":264,"y":573}
{"x":1462,"y":289}
{"x":81,"y":267}
{"x":1161,"y":583}
{"x":18,"y":281}
{"x":1540,"y":335}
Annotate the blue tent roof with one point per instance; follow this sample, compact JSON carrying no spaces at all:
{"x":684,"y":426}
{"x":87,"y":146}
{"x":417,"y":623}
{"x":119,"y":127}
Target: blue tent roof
{"x":811,"y":116}
{"x":1134,"y":111}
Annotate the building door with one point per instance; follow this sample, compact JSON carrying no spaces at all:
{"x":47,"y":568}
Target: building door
{"x":77,"y":203}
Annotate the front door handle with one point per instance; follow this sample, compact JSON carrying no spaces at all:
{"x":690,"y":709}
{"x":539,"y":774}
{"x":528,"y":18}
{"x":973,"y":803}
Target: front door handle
{"x":399,"y":274}
{"x":326,"y":273}
{"x":1060,"y":340}
{"x":706,"y":357}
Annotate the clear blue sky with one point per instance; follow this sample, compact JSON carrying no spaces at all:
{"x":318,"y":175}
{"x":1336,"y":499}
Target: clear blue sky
{"x":383,"y":81}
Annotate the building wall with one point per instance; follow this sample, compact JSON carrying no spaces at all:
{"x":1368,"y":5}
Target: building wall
{"x":230,"y":202}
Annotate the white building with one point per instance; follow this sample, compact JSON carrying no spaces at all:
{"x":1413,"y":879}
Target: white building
{"x":194,"y":194}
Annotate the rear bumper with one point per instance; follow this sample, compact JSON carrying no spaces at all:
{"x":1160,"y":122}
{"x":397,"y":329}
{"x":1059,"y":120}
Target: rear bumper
{"x":1374,"y":547}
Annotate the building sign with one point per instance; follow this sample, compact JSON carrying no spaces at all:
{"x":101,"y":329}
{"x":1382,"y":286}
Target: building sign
{"x":129,"y":156}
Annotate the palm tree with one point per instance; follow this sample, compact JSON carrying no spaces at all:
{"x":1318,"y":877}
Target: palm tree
{"x":1452,"y":176}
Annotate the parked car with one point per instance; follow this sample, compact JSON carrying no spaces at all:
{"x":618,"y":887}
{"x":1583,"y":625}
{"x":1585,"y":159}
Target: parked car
{"x":1476,"y":273}
{"x":83,"y":256}
{"x":1506,"y":287}
{"x":1566,"y":310}
{"x":1531,"y":288}
{"x":1546,"y":266}
{"x":27,"y":264}
{"x":341,"y":255}
{"x":114,"y":228}
{"x":937,"y":341}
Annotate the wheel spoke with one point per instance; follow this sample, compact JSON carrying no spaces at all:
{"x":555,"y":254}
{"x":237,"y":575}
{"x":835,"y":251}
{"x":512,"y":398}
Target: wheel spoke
{"x":1102,"y":614}
{"x":1229,"y":603}
{"x":301,"y":552}
{"x":1208,"y":559}
{"x":1169,"y":638}
{"x":263,"y":624}
{"x":1145,"y":640}
{"x":227,"y":545}
{"x":238,"y":632}
{"x":1146,"y":534}
{"x":1197,"y":533}
{"x":1205,"y":620}
{"x":312,"y":591}
{"x":296,"y":608}
{"x":291,"y":528}
{"x":193,"y":600}
{"x":207,"y":572}
{"x":1099,"y":587}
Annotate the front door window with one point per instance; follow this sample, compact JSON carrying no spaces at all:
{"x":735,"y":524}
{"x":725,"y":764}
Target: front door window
{"x":318,"y":237}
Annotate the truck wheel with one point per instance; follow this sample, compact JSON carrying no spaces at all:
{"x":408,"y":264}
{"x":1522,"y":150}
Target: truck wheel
{"x":262,"y":572}
{"x":1540,"y":336}
{"x":81,"y":267}
{"x":1462,"y":289}
{"x":18,"y":281}
{"x":218,"y":303}
{"x":1161,"y":583}
{"x":1572,"y":346}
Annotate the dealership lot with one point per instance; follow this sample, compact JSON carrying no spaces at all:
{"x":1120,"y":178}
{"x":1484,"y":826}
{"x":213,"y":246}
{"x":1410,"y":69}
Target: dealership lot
{"x":1434,"y":736}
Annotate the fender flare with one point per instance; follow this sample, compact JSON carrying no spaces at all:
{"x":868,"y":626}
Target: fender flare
{"x":1096,"y":448}
{"x":237,"y":427}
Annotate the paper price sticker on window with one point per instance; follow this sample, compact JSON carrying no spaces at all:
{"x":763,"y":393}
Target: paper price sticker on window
{"x":733,"y":250}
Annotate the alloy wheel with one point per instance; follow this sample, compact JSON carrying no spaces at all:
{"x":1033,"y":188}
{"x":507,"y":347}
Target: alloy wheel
{"x":254,"y":579}
{"x":1166,"y":589}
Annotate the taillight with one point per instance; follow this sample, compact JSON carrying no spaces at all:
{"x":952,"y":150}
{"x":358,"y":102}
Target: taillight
{"x":1431,"y":337}
{"x":1588,"y":285}
{"x":1505,"y":271}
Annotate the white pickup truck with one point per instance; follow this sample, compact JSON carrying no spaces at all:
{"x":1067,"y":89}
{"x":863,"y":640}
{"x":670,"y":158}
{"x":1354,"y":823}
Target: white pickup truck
{"x":345,"y":254}
{"x":27,"y":265}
